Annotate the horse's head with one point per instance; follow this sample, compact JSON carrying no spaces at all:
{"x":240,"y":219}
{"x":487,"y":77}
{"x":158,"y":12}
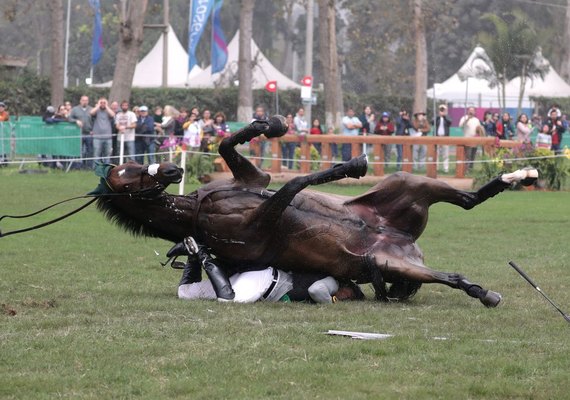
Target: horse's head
{"x":134,"y":178}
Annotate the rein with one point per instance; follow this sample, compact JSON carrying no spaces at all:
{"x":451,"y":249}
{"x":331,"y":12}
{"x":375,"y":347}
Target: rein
{"x":141,"y":195}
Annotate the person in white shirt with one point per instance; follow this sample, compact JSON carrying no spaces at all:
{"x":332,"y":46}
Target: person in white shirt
{"x":269,"y":284}
{"x":126,"y":122}
{"x":350,"y":127}
{"x":471,"y":126}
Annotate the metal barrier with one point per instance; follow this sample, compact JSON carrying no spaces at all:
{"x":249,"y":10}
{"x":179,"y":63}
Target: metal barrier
{"x":30,"y":137}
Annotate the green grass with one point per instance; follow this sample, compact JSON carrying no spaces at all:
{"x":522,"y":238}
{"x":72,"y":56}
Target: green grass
{"x":97,"y":317}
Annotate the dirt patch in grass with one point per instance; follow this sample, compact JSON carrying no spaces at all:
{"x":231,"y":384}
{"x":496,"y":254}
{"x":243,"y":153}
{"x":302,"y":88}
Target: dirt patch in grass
{"x":8,"y":310}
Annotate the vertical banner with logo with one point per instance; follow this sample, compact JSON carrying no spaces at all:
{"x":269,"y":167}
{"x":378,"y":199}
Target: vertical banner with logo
{"x":97,"y":43}
{"x":219,"y":45}
{"x":199,"y":13}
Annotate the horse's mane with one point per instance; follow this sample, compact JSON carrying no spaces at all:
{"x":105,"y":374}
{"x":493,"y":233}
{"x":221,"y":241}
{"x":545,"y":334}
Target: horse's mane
{"x":135,"y":226}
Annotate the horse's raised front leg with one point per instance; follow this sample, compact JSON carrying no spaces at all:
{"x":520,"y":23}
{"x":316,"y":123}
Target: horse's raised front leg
{"x":242,"y":169}
{"x":401,"y":272}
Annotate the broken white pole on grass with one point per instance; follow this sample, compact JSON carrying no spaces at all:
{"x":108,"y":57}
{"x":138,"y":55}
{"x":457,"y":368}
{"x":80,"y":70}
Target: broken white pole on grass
{"x":360,"y":335}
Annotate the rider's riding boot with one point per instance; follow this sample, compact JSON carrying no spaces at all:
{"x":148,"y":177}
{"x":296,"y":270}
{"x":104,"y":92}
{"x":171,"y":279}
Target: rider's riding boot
{"x":218,"y":278}
{"x":192,"y":271}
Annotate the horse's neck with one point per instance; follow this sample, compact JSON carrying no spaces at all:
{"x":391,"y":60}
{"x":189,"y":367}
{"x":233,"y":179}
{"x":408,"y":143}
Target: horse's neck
{"x":168,"y":217}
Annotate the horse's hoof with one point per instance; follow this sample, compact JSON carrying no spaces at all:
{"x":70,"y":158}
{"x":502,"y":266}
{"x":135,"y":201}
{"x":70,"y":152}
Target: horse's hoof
{"x":531,"y":176}
{"x":357,"y":167}
{"x":277,"y":127}
{"x":491,"y":299}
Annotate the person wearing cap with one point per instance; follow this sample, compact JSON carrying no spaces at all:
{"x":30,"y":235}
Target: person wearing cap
{"x":144,"y":137}
{"x":441,"y":126}
{"x":385,"y":127}
{"x":4,"y":117}
{"x":420,"y":127}
{"x":471,"y":125}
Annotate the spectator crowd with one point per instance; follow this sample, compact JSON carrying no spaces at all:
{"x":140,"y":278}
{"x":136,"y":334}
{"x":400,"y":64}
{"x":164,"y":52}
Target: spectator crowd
{"x":111,"y":129}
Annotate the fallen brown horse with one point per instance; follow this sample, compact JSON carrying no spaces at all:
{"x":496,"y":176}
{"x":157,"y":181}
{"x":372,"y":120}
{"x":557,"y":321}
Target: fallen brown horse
{"x":369,"y":238}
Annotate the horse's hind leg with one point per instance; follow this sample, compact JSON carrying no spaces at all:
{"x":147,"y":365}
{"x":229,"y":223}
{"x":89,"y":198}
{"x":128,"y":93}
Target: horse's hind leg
{"x":272,"y":209}
{"x":391,"y":270}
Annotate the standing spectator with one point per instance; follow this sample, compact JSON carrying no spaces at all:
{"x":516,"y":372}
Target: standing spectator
{"x":403,"y":126}
{"x":543,"y":138}
{"x":288,"y":148}
{"x":207,"y":127}
{"x":420,"y":127}
{"x":180,"y":121}
{"x":368,"y":120}
{"x":301,"y":124}
{"x":555,"y":129}
{"x":115,"y":132}
{"x":350,"y":127}
{"x":489,"y":124}
{"x":316,"y":130}
{"x":524,"y":129}
{"x":441,"y":126}
{"x":68,"y":108}
{"x":471,"y":125}
{"x":4,"y":117}
{"x":259,"y":115}
{"x":80,"y":114}
{"x":169,"y":120}
{"x":221,"y":128}
{"x":103,"y":118}
{"x":505,"y":128}
{"x":126,"y":122}
{"x":53,"y":116}
{"x":385,"y":127}
{"x":144,"y":137}
{"x":193,"y":132}
{"x":555,"y":107}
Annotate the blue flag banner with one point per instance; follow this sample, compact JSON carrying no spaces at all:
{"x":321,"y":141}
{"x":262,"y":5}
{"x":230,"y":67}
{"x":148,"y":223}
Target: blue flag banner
{"x":199,"y":13}
{"x":97,"y":44}
{"x":219,"y":45}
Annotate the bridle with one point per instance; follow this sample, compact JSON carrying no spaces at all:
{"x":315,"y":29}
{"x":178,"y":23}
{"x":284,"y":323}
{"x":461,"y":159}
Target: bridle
{"x":150,"y":193}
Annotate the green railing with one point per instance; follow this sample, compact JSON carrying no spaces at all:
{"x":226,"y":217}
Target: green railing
{"x":32,"y":137}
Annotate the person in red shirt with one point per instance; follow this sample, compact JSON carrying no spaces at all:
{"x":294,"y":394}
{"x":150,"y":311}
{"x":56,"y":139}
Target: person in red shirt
{"x":316,"y":130}
{"x":385,"y":127}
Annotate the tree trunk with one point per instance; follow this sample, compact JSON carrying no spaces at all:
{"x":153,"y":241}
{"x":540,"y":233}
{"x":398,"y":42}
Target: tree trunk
{"x":286,"y":62}
{"x":245,"y":95}
{"x":329,"y":61}
{"x":130,"y":40}
{"x":56,"y":71}
{"x":565,"y":64}
{"x":420,"y":86}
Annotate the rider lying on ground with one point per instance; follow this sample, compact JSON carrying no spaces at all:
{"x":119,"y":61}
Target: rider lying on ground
{"x":269,"y":284}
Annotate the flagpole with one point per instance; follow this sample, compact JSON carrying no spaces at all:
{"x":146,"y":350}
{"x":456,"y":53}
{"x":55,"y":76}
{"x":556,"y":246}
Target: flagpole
{"x":65,"y":77}
{"x":189,"y":27}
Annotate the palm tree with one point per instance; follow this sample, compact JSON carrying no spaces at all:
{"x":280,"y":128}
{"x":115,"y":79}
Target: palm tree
{"x":513,"y":51}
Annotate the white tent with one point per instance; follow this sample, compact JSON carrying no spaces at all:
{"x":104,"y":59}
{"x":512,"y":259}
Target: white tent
{"x":148,"y":72}
{"x":551,"y":86}
{"x":263,"y":71}
{"x":471,"y":91}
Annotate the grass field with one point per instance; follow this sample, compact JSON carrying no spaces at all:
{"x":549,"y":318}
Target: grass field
{"x":96,"y":315}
